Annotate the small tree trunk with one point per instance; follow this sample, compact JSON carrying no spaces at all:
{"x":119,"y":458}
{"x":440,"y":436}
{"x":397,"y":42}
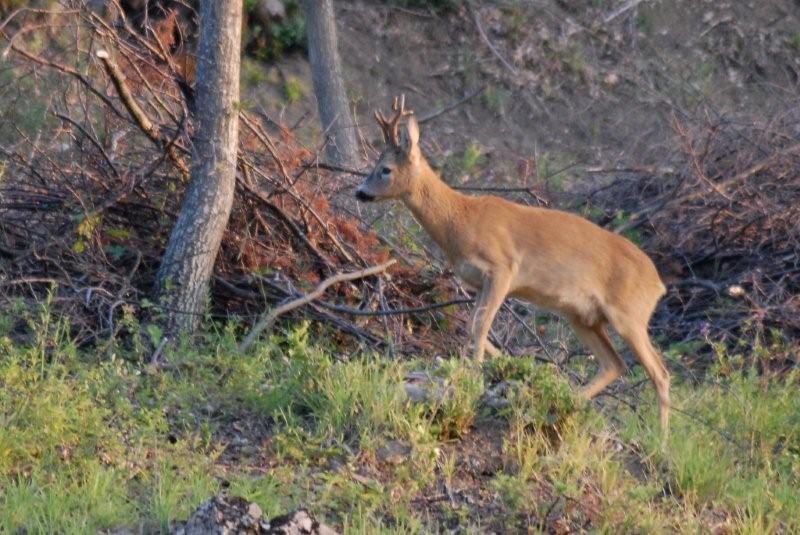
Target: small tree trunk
{"x":326,"y":70}
{"x":193,"y":245}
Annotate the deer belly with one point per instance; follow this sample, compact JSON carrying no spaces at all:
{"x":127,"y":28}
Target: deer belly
{"x":573,"y":303}
{"x":471,"y":273}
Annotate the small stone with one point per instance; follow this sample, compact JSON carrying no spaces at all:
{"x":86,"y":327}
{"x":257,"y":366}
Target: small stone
{"x":611,"y":79}
{"x":736,"y":291}
{"x":269,"y":10}
{"x":306,"y":524}
{"x":415,"y":392}
{"x":254,"y":511}
{"x":394,"y":452}
{"x":230,"y":514}
{"x":322,"y":529}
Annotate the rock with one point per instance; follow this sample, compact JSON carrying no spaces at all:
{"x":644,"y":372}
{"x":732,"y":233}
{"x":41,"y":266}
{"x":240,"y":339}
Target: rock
{"x":223,"y":515}
{"x":266,"y":11}
{"x":420,"y":387}
{"x":497,"y":397}
{"x":298,"y":523}
{"x":415,"y":392}
{"x":254,"y":510}
{"x":394,"y":452}
{"x":229,"y":515}
{"x":611,"y":79}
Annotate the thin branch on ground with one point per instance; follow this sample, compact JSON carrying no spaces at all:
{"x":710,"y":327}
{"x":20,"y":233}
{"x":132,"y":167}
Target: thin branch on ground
{"x":268,"y":320}
{"x":486,"y":40}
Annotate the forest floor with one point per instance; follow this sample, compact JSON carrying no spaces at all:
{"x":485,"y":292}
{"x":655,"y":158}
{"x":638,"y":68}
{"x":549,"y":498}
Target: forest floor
{"x":579,"y":92}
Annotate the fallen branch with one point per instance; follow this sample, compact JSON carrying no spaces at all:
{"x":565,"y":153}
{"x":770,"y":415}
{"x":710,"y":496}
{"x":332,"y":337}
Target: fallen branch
{"x":630,"y":4}
{"x":449,"y":107}
{"x":393,"y":312}
{"x":488,"y":42}
{"x":542,"y":201}
{"x":334,"y":168}
{"x":269,"y":319}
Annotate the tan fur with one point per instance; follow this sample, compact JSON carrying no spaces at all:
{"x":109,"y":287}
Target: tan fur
{"x":551,"y":258}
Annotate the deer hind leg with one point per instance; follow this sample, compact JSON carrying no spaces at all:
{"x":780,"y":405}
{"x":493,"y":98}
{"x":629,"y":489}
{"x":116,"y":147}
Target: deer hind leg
{"x":494,"y":290}
{"x":611,"y":364}
{"x":491,"y":350}
{"x":635,"y":335}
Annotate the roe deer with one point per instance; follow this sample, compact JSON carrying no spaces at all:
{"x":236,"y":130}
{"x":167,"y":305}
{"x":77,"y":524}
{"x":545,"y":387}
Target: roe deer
{"x":551,"y":258}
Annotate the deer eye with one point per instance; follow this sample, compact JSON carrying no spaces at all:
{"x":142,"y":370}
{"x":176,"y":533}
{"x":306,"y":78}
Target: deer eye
{"x":385,"y":172}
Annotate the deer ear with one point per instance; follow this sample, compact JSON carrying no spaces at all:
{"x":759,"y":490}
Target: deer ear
{"x":409,"y":136}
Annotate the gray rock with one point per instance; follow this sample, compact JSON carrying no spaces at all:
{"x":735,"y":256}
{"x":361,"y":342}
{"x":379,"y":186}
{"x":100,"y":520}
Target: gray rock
{"x":394,"y":452}
{"x":228,"y":515}
{"x":298,"y":523}
{"x":415,"y":392}
{"x":420,"y":387}
{"x":266,"y":11}
{"x":497,"y":397}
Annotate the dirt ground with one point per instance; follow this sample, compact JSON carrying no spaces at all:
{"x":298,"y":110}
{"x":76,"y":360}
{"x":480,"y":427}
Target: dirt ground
{"x":586,"y":93}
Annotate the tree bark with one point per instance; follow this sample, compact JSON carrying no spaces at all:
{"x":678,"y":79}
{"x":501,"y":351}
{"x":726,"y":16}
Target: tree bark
{"x":326,"y":70}
{"x":187,"y":266}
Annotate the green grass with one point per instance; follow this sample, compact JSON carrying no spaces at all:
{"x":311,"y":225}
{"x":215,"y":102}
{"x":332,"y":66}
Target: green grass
{"x":460,"y":166}
{"x":97,"y":440}
{"x":737,"y":446}
{"x":294,"y":90}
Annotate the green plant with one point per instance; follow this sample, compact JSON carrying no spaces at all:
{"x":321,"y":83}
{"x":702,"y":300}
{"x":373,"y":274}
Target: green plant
{"x":472,"y":159}
{"x":539,"y":396}
{"x":253,"y":74}
{"x":94,"y":442}
{"x":794,"y":40}
{"x":622,"y":218}
{"x":735,"y":443}
{"x":515,"y":491}
{"x":454,"y":400}
{"x":294,"y":90}
{"x":269,"y":41}
{"x":495,"y":99}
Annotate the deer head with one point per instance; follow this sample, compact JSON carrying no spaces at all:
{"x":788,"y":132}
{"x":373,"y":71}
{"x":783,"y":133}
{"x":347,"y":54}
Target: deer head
{"x":395,"y":172}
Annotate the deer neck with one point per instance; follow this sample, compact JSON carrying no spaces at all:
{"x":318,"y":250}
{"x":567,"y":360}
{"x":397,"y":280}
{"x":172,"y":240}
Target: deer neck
{"x":436,"y":206}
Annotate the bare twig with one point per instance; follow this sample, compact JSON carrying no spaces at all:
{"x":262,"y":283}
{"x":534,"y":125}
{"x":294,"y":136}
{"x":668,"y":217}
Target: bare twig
{"x":156,"y":357}
{"x":449,"y":107}
{"x":139,"y":116}
{"x":393,"y":312}
{"x":334,"y":168}
{"x":486,"y":40}
{"x":630,"y":4}
{"x":269,"y":319}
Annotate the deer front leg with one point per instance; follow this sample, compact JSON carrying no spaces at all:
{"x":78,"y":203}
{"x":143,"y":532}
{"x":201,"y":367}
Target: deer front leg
{"x":494,"y":290}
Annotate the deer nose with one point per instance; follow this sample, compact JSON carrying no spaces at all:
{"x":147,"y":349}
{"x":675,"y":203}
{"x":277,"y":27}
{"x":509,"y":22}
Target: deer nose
{"x":363,"y":196}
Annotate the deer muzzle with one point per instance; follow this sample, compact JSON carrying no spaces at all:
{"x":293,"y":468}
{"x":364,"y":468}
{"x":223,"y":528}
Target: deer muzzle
{"x":363,"y":196}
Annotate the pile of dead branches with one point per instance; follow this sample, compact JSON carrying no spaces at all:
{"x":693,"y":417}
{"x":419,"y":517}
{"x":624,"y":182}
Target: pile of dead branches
{"x":723,"y":226}
{"x":89,"y":196}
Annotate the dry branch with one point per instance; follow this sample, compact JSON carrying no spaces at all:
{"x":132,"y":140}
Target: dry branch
{"x":723,"y":230}
{"x":139,"y":116}
{"x":630,"y":4}
{"x":486,"y":40}
{"x":268,"y":320}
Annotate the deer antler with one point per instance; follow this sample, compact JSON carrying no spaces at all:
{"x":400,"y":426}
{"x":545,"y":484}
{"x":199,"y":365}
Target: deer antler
{"x":389,"y":126}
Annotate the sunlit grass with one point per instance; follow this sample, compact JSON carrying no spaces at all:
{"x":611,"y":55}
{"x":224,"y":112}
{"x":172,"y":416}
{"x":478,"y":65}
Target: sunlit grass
{"x":101,"y":441}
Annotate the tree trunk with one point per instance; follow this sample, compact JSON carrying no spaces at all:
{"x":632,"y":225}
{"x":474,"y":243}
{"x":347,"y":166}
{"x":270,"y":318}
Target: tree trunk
{"x":188,"y":262}
{"x":334,"y":110}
